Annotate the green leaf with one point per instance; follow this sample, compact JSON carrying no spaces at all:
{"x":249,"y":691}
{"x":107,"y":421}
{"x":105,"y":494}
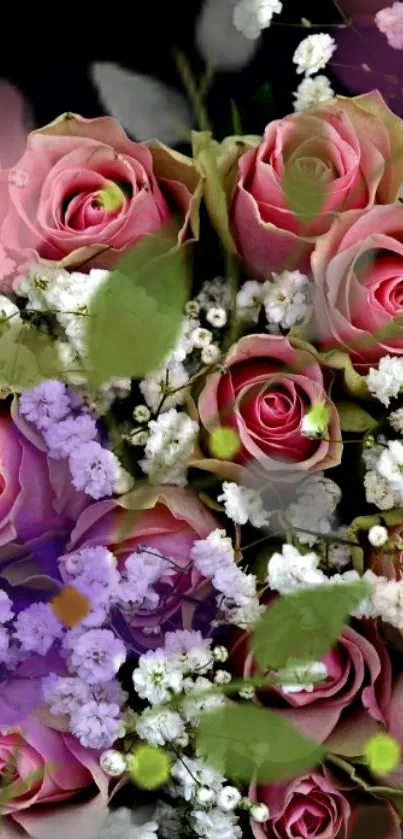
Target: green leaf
{"x":354,"y":418}
{"x":27,"y":357}
{"x":355,"y":384}
{"x":304,"y":191}
{"x":135,"y":316}
{"x":393,"y":517}
{"x":304,"y":626}
{"x":236,"y":118}
{"x":244,"y":741}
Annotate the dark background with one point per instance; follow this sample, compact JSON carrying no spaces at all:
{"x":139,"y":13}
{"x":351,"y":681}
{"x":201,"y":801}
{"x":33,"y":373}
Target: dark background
{"x":49,"y":61}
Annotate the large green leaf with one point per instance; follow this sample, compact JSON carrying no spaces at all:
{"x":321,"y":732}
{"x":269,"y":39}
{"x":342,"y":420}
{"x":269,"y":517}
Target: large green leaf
{"x":304,"y":626}
{"x":244,"y":741}
{"x":135,"y":316}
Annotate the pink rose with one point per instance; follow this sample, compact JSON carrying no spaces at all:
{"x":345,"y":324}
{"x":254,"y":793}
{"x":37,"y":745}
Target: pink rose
{"x":265,"y":393}
{"x":358,"y":681}
{"x":346,"y":151}
{"x":51,"y":770}
{"x":84,"y":189}
{"x":36,"y":496}
{"x":309,"y":806}
{"x":358,"y":269}
{"x":167,"y":520}
{"x":313,"y":807}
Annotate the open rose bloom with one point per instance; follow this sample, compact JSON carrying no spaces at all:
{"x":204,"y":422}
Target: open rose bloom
{"x":84,"y":193}
{"x":265,"y":393}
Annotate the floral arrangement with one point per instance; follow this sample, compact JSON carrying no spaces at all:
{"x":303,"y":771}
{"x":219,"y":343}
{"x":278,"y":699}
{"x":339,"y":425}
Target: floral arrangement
{"x":201,"y":472}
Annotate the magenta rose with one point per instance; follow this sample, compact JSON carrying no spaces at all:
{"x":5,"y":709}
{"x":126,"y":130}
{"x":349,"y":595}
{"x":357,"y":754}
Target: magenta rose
{"x":265,"y":392}
{"x":83,"y":189}
{"x":56,"y":785}
{"x":313,"y":807}
{"x":167,"y":522}
{"x":358,"y":271}
{"x":36,"y":496}
{"x":357,"y":682}
{"x":308,"y":168}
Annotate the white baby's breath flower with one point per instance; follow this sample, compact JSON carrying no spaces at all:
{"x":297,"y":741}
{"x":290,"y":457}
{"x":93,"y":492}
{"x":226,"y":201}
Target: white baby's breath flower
{"x":291,"y":570}
{"x":252,"y":16}
{"x":286,"y":298}
{"x":377,"y":535}
{"x":313,"y":53}
{"x":312,"y":92}
{"x":396,"y":420}
{"x":160,"y":726}
{"x":378,"y":491}
{"x":243,"y":504}
{"x":386,"y":381}
{"x":162,"y":387}
{"x":390,"y":466}
{"x":210,"y":354}
{"x":157,"y":677}
{"x":216,"y":316}
{"x":201,"y":337}
{"x":249,"y":301}
{"x":169,"y":446}
{"x":295,"y":678}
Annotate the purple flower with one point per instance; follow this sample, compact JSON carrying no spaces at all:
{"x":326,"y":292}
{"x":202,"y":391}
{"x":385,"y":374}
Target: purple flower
{"x":45,"y":404}
{"x":97,"y":726}
{"x":93,"y":469}
{"x":4,"y":645}
{"x":69,"y":434}
{"x":184,"y":641}
{"x":64,"y":694}
{"x":97,"y":655}
{"x":6,"y":612}
{"x":37,"y":628}
{"x":93,"y":571}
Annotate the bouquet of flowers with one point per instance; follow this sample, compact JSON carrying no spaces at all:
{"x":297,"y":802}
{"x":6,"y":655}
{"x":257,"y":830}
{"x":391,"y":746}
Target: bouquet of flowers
{"x":201,"y":474}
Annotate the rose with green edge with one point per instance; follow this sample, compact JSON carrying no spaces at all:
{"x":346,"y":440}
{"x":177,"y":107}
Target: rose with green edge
{"x":90,"y":194}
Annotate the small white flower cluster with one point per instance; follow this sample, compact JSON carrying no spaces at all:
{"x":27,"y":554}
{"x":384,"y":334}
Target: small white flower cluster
{"x":66,"y":295}
{"x":237,"y":598}
{"x":385,"y":600}
{"x":314,"y":508}
{"x":170,"y":444}
{"x":294,"y":678}
{"x":185,"y":669}
{"x":312,"y":55}
{"x":312,"y":92}
{"x":250,"y":17}
{"x":290,"y":571}
{"x":384,"y":478}
{"x":386,"y":381}
{"x":243,"y":504}
{"x":286,"y":300}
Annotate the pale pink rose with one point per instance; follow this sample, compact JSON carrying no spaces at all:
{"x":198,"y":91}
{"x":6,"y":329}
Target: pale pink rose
{"x":313,"y":806}
{"x":357,"y":686}
{"x":36,"y":496}
{"x":358,"y":270}
{"x":82,"y":189}
{"x":309,"y":806}
{"x":169,"y":520}
{"x":264,"y":394}
{"x":346,"y":148}
{"x":64,"y":788}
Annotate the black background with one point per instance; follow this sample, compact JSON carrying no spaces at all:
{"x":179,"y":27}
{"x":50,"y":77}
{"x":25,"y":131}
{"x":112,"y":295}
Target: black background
{"x":48,"y":59}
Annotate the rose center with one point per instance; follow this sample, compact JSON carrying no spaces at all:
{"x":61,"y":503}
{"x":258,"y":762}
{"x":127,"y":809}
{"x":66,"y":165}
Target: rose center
{"x":313,"y":169}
